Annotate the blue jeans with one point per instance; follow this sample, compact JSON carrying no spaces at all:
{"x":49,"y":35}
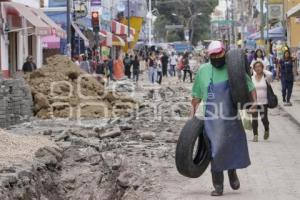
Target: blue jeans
{"x":172,"y":70}
{"x":152,"y":74}
{"x":287,"y":89}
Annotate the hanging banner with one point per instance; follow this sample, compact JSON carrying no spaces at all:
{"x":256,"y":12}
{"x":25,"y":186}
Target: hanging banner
{"x":276,"y":12}
{"x":95,"y":3}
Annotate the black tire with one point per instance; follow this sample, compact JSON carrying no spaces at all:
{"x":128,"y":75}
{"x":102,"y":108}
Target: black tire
{"x":187,"y":165}
{"x":237,"y":70}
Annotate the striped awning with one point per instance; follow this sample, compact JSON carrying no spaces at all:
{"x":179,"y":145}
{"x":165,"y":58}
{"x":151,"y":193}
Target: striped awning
{"x":121,"y":29}
{"x":111,"y":39}
{"x":42,"y":24}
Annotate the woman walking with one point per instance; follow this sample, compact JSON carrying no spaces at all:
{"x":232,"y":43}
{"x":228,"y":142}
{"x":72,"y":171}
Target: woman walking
{"x":285,"y":71}
{"x":259,"y":56}
{"x":152,"y":68}
{"x":260,"y":81}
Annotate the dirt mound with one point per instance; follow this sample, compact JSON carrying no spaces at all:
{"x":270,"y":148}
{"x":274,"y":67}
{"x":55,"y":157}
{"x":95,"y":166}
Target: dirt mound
{"x":61,"y":89}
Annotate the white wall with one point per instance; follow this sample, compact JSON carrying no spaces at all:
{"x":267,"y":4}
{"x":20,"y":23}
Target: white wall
{"x":31,"y":3}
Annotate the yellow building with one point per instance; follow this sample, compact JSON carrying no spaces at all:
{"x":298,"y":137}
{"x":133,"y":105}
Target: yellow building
{"x":292,"y":12}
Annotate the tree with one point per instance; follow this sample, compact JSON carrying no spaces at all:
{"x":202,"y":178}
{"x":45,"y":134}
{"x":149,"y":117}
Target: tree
{"x":185,"y":12}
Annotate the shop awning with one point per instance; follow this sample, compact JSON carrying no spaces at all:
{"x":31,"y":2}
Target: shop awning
{"x":42,"y":24}
{"x":111,"y":39}
{"x":121,"y":29}
{"x":56,"y":29}
{"x":294,"y":12}
{"x":118,"y":41}
{"x":81,"y":35}
{"x":40,"y":27}
{"x":274,"y":33}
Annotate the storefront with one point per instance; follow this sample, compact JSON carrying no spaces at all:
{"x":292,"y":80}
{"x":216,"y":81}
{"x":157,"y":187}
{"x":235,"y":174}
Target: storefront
{"x":24,"y":28}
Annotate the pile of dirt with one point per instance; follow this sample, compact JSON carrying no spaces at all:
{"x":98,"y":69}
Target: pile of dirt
{"x":61,"y":89}
{"x":20,"y":148}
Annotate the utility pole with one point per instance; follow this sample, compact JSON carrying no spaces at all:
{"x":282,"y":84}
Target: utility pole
{"x":69,"y":46}
{"x":128,"y":19}
{"x":262,"y":21}
{"x":150,"y":22}
{"x":227,"y":20}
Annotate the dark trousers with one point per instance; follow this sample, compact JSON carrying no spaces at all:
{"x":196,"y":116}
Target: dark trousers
{"x":172,"y":70}
{"x":136,"y":76}
{"x":287,"y":89}
{"x":263,"y":112}
{"x":165,"y":69}
{"x":127,"y":71}
{"x":184,"y":75}
{"x":159,"y":77}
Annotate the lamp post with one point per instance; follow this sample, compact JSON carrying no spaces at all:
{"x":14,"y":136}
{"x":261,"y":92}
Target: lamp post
{"x":128,"y":18}
{"x":69,"y":35}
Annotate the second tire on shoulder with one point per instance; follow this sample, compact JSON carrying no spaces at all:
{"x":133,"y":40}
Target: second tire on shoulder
{"x":237,"y":71}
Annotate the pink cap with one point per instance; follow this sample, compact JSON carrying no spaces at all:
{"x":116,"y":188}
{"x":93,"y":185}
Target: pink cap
{"x":215,"y":47}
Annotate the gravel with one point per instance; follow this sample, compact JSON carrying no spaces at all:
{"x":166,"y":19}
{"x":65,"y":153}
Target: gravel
{"x":20,"y":148}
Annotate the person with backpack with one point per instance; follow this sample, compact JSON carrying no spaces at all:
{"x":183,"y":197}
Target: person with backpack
{"x":127,"y":64}
{"x":260,"y":80}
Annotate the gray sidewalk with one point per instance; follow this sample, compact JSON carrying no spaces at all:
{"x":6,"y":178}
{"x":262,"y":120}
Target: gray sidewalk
{"x":293,"y":111}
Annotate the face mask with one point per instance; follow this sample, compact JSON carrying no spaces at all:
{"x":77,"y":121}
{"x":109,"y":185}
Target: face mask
{"x":218,"y":62}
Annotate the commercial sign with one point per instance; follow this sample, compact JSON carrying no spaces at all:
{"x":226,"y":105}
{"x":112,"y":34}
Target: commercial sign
{"x":276,"y":12}
{"x":95,"y":2}
{"x":57,"y":3}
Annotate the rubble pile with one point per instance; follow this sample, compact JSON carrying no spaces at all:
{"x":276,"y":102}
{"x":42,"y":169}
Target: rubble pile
{"x":60,"y":89}
{"x":15,"y":102}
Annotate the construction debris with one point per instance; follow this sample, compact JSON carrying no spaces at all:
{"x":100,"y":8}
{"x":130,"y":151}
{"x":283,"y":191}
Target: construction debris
{"x":61,"y":90}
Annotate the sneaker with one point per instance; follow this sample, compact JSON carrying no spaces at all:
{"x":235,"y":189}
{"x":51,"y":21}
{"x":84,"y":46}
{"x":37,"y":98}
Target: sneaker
{"x":267,"y":135}
{"x":289,"y":104}
{"x":255,"y":138}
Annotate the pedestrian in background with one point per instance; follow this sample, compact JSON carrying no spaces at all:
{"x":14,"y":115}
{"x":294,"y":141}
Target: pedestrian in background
{"x":29,"y":65}
{"x":186,"y":67}
{"x":179,"y":68}
{"x":136,"y":69}
{"x":259,"y":56}
{"x":118,"y":68}
{"x":127,"y":64}
{"x":111,"y":67}
{"x":260,"y":80}
{"x":173,"y":62}
{"x":152,"y":68}
{"x":159,"y":68}
{"x":285,"y":71}
{"x":164,"y":62}
{"x":85,"y":65}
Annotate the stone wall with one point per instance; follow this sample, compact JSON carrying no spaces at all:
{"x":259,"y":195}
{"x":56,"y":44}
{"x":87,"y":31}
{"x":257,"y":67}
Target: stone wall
{"x":15,"y":102}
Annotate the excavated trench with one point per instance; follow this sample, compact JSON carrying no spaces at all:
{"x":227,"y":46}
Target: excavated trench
{"x":119,"y":159}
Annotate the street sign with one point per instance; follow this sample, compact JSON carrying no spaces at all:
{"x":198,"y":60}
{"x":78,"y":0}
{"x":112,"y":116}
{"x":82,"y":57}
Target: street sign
{"x":174,"y":26}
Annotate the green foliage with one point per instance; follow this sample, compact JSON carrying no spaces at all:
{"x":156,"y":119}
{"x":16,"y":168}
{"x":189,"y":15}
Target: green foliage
{"x":184,"y":9}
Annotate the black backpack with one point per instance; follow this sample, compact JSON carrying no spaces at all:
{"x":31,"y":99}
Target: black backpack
{"x":272,"y":98}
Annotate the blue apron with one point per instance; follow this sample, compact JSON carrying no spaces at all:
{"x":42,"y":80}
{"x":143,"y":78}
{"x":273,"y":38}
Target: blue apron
{"x":226,"y":134}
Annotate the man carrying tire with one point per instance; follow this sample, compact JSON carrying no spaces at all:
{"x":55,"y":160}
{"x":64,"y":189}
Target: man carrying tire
{"x":222,"y":125}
